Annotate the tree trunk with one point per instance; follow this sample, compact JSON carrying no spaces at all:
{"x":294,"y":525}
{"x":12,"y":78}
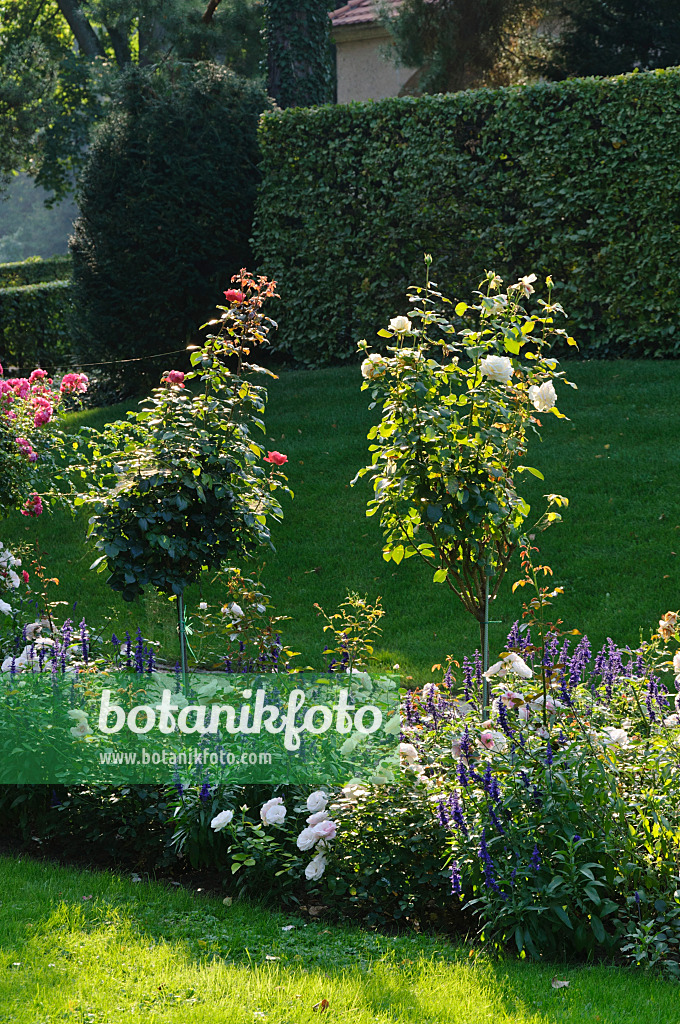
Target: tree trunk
{"x":119,"y":41}
{"x":86,"y":37}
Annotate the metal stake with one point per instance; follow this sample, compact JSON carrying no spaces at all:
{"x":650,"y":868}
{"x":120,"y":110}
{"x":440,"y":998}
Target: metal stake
{"x":182,"y":644}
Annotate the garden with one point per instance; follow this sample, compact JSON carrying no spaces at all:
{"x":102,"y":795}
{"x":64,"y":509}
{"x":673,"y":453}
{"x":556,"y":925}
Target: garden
{"x":341,"y":672}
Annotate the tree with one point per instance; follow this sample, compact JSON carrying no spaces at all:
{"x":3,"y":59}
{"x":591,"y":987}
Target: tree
{"x":166,"y":202}
{"x":611,"y":37}
{"x":83,"y":45}
{"x":460,"y":44}
{"x":299,"y":53}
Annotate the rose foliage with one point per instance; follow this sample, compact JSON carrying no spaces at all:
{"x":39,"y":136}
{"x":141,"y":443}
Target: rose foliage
{"x":181,"y":485}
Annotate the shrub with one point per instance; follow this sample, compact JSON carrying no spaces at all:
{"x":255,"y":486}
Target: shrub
{"x":35,"y":325}
{"x":35,"y":270}
{"x":577,"y":178}
{"x":166,"y":203}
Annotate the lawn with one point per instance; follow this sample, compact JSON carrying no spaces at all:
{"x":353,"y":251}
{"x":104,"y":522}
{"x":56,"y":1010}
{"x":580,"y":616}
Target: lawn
{"x":615,"y":552}
{"x":95,"y":948}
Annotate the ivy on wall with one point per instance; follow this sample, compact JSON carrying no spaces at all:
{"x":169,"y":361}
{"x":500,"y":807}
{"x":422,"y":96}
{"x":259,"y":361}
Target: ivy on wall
{"x":300,"y":59}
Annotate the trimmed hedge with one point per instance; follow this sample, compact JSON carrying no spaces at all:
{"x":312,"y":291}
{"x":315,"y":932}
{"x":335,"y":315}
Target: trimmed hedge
{"x":578,"y":179}
{"x":35,"y":270}
{"x":35,"y":325}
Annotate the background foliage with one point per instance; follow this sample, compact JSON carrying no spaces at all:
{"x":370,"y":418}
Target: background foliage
{"x":35,"y":324}
{"x":577,"y":179}
{"x":166,"y":203}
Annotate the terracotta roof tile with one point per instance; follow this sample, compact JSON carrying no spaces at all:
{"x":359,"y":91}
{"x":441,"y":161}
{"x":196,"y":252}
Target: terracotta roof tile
{"x":359,"y":12}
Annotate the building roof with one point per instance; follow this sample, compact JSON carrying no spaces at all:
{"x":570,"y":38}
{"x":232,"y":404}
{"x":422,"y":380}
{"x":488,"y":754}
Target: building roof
{"x":360,"y":12}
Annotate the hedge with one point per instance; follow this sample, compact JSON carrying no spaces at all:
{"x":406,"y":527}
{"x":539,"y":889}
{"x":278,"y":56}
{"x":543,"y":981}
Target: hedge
{"x":578,"y":179}
{"x":35,"y":270}
{"x":34,"y":325}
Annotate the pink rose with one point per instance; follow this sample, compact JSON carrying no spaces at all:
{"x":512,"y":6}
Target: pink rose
{"x":74,"y":383}
{"x":21,"y":387}
{"x":25,"y":575}
{"x":325,"y":829}
{"x":37,"y":375}
{"x":276,"y":458}
{"x":33,"y":505}
{"x":486,"y":739}
{"x":233,"y":295}
{"x":174,"y":377}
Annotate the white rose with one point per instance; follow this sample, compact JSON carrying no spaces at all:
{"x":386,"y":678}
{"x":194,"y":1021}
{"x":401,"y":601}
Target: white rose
{"x":498,"y":368}
{"x":203,"y":606}
{"x":373,"y":366}
{"x":510,"y":664}
{"x":615,"y":737}
{"x":6,"y":609}
{"x":13,"y":578}
{"x":525,"y":283}
{"x":400,"y":325}
{"x":307,"y":839}
{"x":316,"y":801}
{"x":261,"y":608}
{"x":676,"y":662}
{"x":79,"y":715}
{"x":80,"y":730}
{"x":315,"y":868}
{"x":408,"y":752}
{"x":544,"y":397}
{"x":220,"y":820}
{"x":235,"y":611}
{"x":273,"y":812}
{"x":314,"y":819}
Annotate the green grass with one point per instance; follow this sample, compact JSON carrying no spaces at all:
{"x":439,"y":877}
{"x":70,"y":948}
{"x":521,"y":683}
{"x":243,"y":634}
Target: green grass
{"x":94,"y":948}
{"x":614,"y":553}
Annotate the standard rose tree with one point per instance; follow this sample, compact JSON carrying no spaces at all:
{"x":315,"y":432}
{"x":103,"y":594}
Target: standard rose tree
{"x":183,"y":485}
{"x":459,"y":395}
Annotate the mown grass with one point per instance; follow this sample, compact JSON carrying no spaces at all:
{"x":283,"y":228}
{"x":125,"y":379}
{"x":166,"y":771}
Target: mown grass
{"x":614,"y":553}
{"x":94,"y":948}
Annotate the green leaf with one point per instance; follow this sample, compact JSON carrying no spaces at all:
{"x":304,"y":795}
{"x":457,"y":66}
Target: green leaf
{"x":440,"y":576}
{"x":460,"y":308}
{"x":563,"y":916}
{"x":598,"y":928}
{"x":397,"y":554}
{"x":382,"y":333}
{"x":530,"y":469}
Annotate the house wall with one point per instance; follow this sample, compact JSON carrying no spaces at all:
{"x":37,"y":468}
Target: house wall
{"x":363,"y":72}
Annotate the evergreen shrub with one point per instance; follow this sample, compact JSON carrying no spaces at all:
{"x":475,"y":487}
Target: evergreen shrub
{"x":579,"y":179}
{"x":166,"y":203}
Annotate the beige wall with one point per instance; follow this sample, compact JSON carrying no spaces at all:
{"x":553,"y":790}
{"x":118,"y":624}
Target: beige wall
{"x":363,"y":72}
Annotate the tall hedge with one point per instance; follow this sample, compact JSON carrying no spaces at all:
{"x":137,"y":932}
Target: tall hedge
{"x":35,"y":321}
{"x":35,"y":270}
{"x":579,"y":179}
{"x":166,"y":203}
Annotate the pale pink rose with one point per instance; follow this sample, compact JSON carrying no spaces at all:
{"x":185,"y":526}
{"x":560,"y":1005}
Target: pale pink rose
{"x":325,"y":829}
{"x":314,"y":819}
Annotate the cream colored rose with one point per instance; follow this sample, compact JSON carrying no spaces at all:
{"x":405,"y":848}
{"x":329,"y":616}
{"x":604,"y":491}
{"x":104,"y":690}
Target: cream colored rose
{"x":400,"y":325}
{"x":497,"y":368}
{"x":544,"y":397}
{"x":373,"y":366}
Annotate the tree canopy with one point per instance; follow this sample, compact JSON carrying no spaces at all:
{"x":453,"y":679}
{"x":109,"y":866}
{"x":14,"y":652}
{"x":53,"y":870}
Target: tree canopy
{"x":58,"y":59}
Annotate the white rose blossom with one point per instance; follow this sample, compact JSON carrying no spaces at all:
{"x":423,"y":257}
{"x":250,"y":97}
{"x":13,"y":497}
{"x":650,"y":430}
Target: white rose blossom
{"x":676,"y":662}
{"x":614,"y":737}
{"x":373,"y":366}
{"x":510,"y":664}
{"x":543,"y":398}
{"x":273,"y":811}
{"x":498,"y":368}
{"x":315,"y":868}
{"x":317,"y":801}
{"x":400,"y":325}
{"x":307,"y":839}
{"x":81,"y":730}
{"x":408,"y":752}
{"x":6,"y":609}
{"x":220,"y":820}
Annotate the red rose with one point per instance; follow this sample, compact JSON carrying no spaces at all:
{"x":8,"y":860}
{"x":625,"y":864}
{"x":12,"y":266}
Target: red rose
{"x":232,"y":295}
{"x":25,"y":575}
{"x":174,"y":377}
{"x":276,"y":458}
